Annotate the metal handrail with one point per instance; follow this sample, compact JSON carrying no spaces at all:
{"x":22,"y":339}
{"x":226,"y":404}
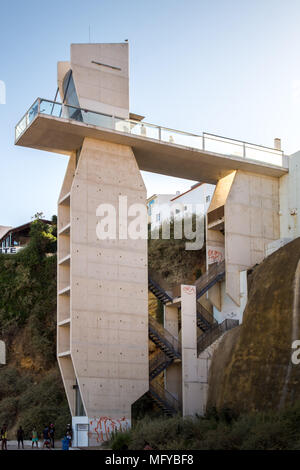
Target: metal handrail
{"x":208,"y":317}
{"x":167,"y":338}
{"x":24,"y":115}
{"x":160,"y":129}
{"x":159,"y":359}
{"x":160,"y":289}
{"x":208,"y":338}
{"x":165,"y":396}
{"x":219,"y":137}
{"x":213,"y":274}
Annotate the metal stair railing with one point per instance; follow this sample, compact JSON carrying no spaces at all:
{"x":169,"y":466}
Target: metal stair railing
{"x":158,"y":291}
{"x":158,"y":362}
{"x":209,"y":337}
{"x":164,"y":399}
{"x":214,"y":274}
{"x":205,"y":319}
{"x":158,"y":334}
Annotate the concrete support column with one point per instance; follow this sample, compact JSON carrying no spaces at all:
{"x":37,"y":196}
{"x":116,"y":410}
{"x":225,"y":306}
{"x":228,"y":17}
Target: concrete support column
{"x":171,"y":319}
{"x":172,"y":374}
{"x":190,"y":384}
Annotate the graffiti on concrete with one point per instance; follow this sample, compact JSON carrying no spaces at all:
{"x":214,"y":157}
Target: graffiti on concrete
{"x":104,"y":426}
{"x":189,"y":290}
{"x":215,"y":256}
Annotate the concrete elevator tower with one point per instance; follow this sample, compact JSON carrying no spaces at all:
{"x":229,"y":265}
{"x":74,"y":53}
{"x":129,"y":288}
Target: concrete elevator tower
{"x":102,"y":332}
{"x":102,"y":316}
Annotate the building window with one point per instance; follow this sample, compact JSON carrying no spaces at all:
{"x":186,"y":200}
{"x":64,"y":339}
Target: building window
{"x":177,"y":211}
{"x":157,"y":217}
{"x":207,"y":198}
{"x":185,"y":208}
{"x":70,"y":97}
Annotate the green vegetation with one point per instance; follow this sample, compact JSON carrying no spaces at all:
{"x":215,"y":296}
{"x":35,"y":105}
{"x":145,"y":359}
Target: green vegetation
{"x":31,"y":390}
{"x":221,"y":430}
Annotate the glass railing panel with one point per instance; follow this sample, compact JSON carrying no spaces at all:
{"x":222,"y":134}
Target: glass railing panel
{"x":97,"y":119}
{"x":71,"y":112}
{"x":50,"y":108}
{"x":224,"y":146}
{"x":27,"y":119}
{"x":261,"y":154}
{"x":144,"y":130}
{"x":122,"y":125}
{"x":137,"y":128}
{"x":208,"y":142}
{"x":33,"y":111}
{"x":181,"y":138}
{"x":56,"y":109}
{"x":21,"y":126}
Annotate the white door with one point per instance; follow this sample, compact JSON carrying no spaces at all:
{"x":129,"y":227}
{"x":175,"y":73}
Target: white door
{"x":82,"y":435}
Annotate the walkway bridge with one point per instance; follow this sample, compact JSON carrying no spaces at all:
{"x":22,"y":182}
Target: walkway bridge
{"x":61,"y":128}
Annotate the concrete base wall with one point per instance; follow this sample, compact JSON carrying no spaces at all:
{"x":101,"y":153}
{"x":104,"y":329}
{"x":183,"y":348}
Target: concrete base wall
{"x":203,"y":366}
{"x":229,"y":309}
{"x":289,"y":192}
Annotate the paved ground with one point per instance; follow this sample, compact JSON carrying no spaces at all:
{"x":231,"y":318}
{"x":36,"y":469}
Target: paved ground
{"x":13,"y":445}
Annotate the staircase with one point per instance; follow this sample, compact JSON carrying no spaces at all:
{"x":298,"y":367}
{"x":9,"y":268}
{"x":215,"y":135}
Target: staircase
{"x":170,"y":347}
{"x":211,"y":335}
{"x":205,"y":320}
{"x":164,"y":340}
{"x":159,"y":362}
{"x":214,"y":274}
{"x":164,"y":399}
{"x":159,"y":293}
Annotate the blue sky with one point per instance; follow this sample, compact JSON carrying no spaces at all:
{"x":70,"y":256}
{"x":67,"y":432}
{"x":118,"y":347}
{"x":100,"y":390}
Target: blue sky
{"x":229,"y":67}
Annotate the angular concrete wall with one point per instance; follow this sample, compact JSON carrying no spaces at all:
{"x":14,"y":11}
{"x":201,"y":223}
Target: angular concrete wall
{"x":103,"y":294}
{"x":251,"y":223}
{"x":101,"y":77}
{"x":290,"y":199}
{"x":242,"y":220}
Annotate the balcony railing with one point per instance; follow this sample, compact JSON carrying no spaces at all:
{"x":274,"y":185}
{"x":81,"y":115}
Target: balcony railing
{"x":208,"y":142}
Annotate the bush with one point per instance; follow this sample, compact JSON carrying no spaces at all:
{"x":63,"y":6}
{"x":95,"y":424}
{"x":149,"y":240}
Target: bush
{"x":120,"y":440}
{"x":8,"y":411}
{"x":43,"y":403}
{"x":31,"y":389}
{"x":12,"y":383}
{"x":218,"y":430}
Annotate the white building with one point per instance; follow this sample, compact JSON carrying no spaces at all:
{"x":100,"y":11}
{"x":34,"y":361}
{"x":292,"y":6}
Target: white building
{"x":194,"y":200}
{"x":158,"y":207}
{"x":161,"y":207}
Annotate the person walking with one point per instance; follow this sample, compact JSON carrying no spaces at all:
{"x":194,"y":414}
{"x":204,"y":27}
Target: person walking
{"x":46,"y":437}
{"x":20,"y":437}
{"x":3,"y":435}
{"x":34,"y":438}
{"x":51,"y":433}
{"x":69,"y":434}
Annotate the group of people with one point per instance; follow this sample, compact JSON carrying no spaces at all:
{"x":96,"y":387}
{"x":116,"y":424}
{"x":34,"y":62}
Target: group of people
{"x":48,"y":435}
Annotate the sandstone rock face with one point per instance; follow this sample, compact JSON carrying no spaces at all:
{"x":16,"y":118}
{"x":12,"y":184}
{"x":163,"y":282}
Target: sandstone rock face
{"x":252,"y":368}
